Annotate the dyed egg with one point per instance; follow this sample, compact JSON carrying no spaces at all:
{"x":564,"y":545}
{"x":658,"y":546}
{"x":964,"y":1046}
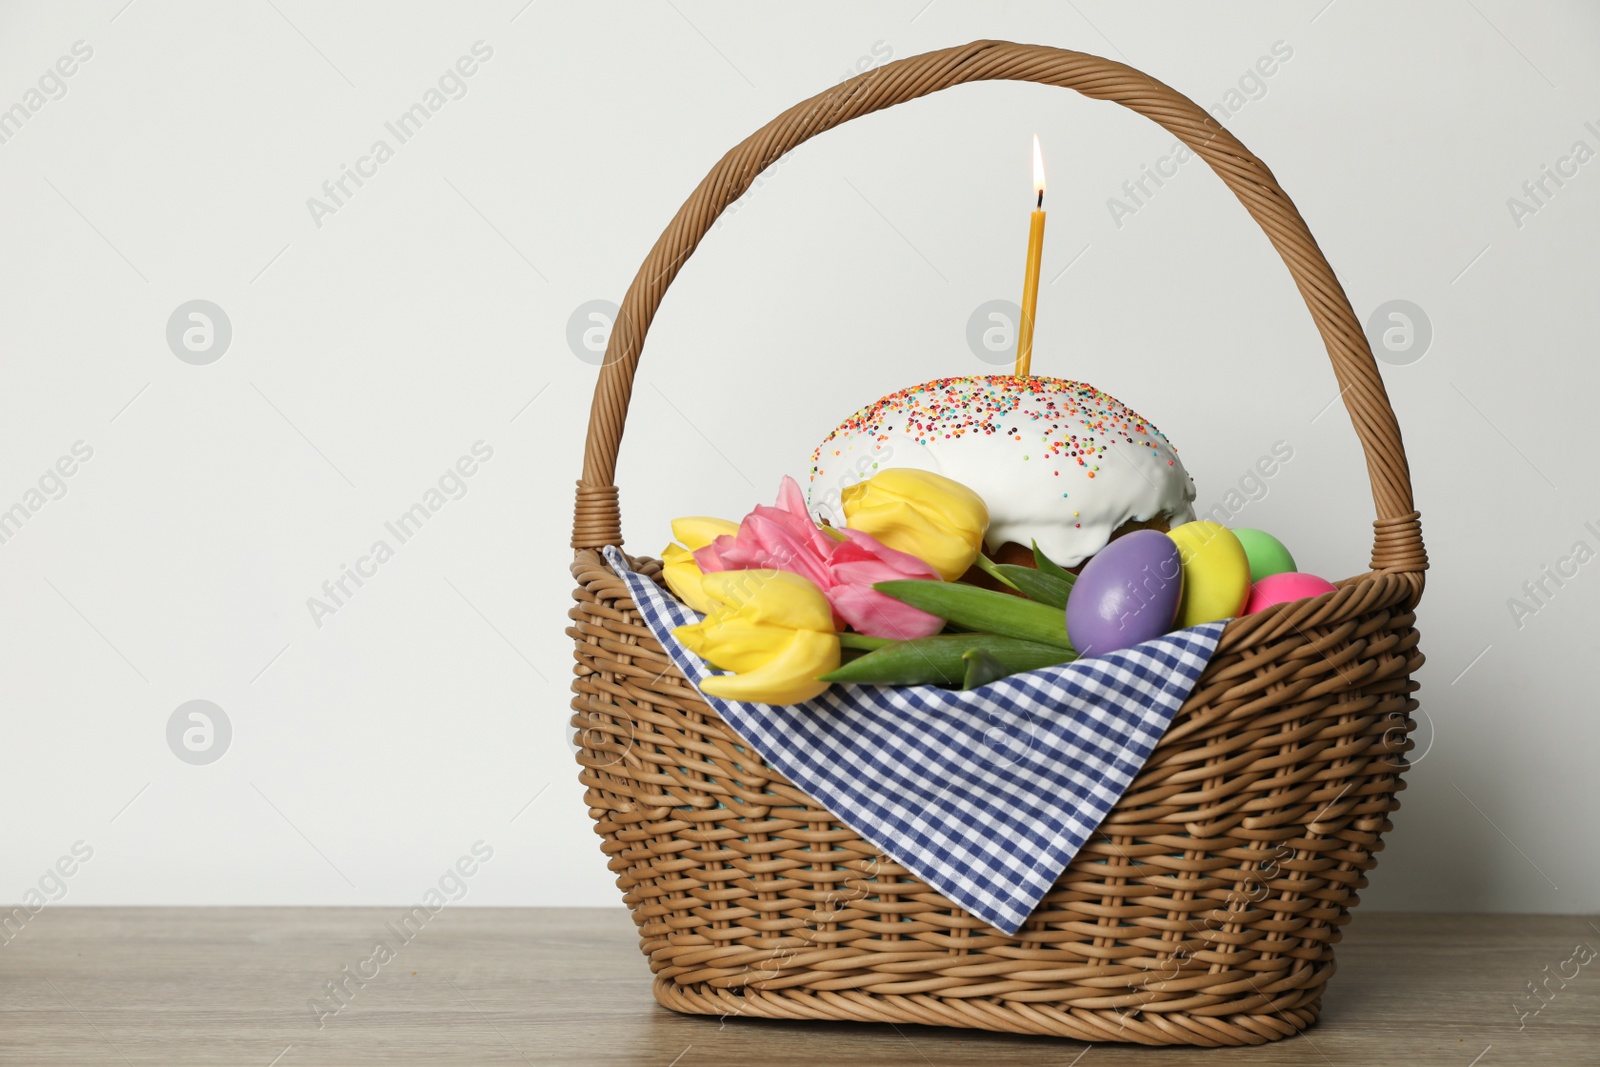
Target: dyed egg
{"x":1128,"y":592}
{"x":1216,"y":572}
{"x":1265,"y":552}
{"x":1282,"y":588}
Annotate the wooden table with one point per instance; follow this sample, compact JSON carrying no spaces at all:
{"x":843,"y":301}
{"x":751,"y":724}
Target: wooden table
{"x":544,"y":986}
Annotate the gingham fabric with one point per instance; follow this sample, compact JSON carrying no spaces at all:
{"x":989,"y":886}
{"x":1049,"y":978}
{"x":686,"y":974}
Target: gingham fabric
{"x":987,"y":794}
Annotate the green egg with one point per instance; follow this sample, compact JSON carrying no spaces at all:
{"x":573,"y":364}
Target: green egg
{"x":1266,"y":554}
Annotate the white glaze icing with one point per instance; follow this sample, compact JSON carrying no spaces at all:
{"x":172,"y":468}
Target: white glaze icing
{"x":1057,"y":462}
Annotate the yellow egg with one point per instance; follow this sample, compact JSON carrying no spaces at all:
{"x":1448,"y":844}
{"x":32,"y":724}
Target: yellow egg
{"x":1216,"y":573}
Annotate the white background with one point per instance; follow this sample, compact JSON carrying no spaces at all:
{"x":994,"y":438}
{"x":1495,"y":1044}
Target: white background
{"x":369,"y":352}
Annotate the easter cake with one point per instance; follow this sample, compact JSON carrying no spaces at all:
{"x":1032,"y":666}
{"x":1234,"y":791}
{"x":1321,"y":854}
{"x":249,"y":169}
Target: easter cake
{"x":1058,"y":462}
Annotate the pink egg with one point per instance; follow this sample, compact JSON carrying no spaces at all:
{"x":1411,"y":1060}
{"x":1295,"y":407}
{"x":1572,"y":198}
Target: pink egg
{"x":1282,"y":588}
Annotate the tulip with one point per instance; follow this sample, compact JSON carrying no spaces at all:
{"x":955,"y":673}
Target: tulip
{"x":857,"y":565}
{"x":765,"y":543}
{"x":678,"y":567}
{"x":781,"y":537}
{"x":773,"y":630}
{"x":927,"y":515}
{"x":684,"y":577}
{"x":845,"y":567}
{"x":698,"y":531}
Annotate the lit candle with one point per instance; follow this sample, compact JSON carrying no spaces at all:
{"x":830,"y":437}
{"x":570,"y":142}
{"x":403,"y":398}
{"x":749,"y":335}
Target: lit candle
{"x":1030,"y":280}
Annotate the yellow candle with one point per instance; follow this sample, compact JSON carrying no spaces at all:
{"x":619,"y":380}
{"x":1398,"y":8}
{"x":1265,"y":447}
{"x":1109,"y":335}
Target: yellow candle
{"x":1030,"y":280}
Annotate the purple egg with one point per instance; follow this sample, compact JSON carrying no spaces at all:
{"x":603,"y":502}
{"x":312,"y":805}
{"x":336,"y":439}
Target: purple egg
{"x":1128,"y":592}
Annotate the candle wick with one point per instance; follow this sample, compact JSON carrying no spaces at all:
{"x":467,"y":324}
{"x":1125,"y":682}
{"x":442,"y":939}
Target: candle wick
{"x":1039,"y":206}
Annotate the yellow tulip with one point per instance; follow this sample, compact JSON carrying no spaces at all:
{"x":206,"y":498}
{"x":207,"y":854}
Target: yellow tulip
{"x":698,"y":531}
{"x":678,"y":567}
{"x":927,"y":515}
{"x":682,"y":575}
{"x":772,"y":629}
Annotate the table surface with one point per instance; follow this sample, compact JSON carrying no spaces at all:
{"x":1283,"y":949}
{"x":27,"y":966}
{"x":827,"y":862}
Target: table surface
{"x":536,"y":986}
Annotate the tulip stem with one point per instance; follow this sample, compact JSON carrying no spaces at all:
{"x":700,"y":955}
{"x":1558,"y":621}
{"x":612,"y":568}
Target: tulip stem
{"x":863,"y":642}
{"x":992,"y":569}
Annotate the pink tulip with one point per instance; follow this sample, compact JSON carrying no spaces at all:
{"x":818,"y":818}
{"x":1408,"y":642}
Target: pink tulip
{"x":784,"y":538}
{"x":859,"y":563}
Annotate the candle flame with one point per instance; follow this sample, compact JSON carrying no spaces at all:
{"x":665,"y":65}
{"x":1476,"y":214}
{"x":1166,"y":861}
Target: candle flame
{"x":1038,"y":168}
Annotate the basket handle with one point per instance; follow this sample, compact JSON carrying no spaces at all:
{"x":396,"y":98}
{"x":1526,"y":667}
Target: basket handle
{"x":1397,"y":543}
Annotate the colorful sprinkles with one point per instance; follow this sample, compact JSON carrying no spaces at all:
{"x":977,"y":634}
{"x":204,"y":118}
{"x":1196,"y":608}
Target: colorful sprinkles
{"x":1076,"y":423}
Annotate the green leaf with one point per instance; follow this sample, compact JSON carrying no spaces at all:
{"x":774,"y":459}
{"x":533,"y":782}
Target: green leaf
{"x":983,"y":610}
{"x":1048,"y":566}
{"x":982,"y":668}
{"x":862,"y":642}
{"x":941,"y":660}
{"x":1036,"y":585}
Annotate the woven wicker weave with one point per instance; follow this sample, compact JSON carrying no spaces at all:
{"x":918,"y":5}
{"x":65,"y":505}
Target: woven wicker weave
{"x":1205,"y":909}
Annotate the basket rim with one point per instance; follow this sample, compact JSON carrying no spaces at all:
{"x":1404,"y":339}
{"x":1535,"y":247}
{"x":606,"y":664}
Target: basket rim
{"x":1351,"y":597}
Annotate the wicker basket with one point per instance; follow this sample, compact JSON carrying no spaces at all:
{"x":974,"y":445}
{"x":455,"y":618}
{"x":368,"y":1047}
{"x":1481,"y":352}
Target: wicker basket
{"x":1205,"y":909}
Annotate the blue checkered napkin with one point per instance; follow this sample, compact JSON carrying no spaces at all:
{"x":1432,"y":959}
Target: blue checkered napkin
{"x":986,"y":795}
